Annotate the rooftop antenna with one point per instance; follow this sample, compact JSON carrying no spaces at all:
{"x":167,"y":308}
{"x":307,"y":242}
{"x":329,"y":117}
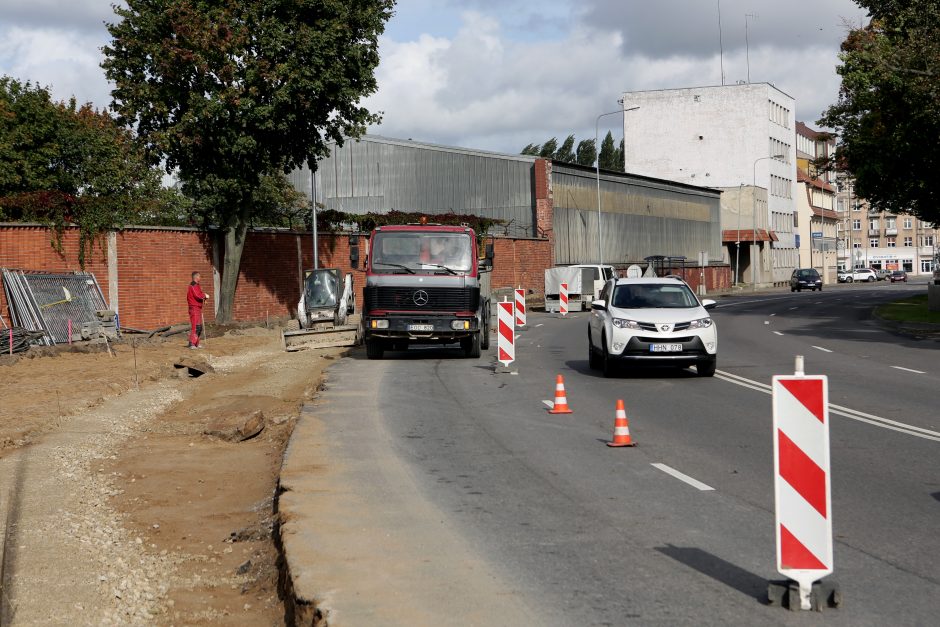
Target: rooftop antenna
{"x":721,"y":49}
{"x":747,"y":45}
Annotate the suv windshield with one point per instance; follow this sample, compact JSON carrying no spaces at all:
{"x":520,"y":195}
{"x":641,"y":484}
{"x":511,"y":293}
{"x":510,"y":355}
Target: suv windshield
{"x":403,"y":251}
{"x":647,"y":296}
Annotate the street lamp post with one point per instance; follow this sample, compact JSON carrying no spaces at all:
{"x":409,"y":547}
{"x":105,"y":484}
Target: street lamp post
{"x":597,"y":159}
{"x":754,"y":217}
{"x":737,"y":243}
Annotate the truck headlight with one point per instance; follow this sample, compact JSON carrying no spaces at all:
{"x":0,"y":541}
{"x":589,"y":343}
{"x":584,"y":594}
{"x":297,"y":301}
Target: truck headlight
{"x":460,"y":325}
{"x":623,"y":323}
{"x":701,"y":323}
{"x":379,"y":324}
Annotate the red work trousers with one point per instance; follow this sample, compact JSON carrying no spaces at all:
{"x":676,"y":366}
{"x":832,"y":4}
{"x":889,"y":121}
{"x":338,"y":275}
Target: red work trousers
{"x":195,"y":322}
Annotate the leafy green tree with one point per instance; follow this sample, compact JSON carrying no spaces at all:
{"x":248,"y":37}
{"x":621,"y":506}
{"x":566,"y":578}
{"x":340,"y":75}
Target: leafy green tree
{"x":608,"y":155}
{"x":586,"y":152}
{"x":548,"y":149}
{"x":61,"y":163}
{"x":887,"y":117}
{"x":531,"y":149}
{"x":229,"y":94}
{"x":565,"y":154}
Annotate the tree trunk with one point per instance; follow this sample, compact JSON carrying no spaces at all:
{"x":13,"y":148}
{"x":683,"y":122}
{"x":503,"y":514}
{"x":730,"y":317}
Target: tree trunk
{"x":234,"y":245}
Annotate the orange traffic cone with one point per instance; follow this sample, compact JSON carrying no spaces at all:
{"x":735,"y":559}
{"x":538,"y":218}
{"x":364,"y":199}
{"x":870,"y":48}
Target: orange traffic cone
{"x":621,"y":428}
{"x":561,"y":400}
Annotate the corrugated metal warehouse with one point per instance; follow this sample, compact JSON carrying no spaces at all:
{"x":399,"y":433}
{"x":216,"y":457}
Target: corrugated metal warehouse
{"x":640,"y":216}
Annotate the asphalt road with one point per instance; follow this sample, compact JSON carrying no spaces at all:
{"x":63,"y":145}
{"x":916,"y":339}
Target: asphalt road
{"x":597,"y":536}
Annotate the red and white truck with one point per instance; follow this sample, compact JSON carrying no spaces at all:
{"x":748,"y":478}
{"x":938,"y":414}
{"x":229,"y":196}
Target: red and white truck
{"x":425,"y":285}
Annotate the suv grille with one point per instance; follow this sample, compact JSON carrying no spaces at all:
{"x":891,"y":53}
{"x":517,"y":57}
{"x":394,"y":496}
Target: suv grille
{"x":650,"y":326}
{"x":407,"y":299}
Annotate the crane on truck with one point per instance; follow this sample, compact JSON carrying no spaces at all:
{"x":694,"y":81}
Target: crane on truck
{"x":426,"y":285}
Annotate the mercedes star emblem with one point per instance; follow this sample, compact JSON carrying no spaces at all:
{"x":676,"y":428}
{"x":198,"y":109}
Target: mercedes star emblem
{"x":420,"y":298}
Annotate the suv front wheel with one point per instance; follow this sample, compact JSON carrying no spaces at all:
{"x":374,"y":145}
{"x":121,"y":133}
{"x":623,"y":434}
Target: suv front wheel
{"x":706,"y":367}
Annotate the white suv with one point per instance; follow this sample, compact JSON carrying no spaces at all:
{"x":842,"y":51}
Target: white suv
{"x":861,"y":274}
{"x":657,"y":322}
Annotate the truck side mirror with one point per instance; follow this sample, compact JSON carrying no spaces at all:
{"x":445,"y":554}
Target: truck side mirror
{"x":489,"y":253}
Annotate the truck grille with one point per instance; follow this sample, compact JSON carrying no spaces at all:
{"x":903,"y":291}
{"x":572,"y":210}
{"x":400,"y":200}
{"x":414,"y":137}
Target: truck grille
{"x":411,"y":298}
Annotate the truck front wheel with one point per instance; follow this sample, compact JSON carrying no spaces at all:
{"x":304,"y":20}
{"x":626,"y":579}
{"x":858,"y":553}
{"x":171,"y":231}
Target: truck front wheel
{"x":485,"y":331}
{"x":374,"y":349}
{"x":471,"y":346}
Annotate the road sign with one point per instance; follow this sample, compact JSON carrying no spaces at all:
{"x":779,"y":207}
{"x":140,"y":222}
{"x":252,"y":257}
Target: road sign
{"x":816,"y":234}
{"x":802,"y":479}
{"x":506,"y":333}
{"x":520,"y":308}
{"x":634,"y":272}
{"x":563,"y":299}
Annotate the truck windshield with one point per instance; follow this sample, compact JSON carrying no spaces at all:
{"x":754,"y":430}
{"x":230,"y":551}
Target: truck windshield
{"x":405,"y":251}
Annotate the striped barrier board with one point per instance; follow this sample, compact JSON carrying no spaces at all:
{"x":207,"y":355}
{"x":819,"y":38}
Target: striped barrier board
{"x":802,"y":479}
{"x":563,"y":299}
{"x":520,"y":308}
{"x":506,"y":333}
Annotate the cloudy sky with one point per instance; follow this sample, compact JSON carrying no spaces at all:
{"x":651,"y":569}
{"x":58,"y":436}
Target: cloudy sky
{"x":498,"y":74}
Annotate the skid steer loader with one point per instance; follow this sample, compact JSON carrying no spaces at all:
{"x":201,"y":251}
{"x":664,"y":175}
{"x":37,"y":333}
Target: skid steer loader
{"x":326,"y":314}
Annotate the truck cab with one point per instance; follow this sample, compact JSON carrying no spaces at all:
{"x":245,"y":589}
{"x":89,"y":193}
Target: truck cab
{"x":425,"y":285}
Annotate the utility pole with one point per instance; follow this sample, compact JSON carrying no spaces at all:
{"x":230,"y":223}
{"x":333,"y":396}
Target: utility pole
{"x":721,"y":49}
{"x":747,"y":45}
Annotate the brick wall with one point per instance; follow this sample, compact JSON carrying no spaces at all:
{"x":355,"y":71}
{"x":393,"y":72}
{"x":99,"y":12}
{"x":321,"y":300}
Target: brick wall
{"x":153,"y":268}
{"x":717,"y":278}
{"x":154,"y":265}
{"x":521,"y":263}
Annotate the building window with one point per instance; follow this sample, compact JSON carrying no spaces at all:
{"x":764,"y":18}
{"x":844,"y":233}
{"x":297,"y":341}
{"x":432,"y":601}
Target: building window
{"x":891,"y":223}
{"x":855,"y":207}
{"x":873,"y":224}
{"x":908,"y":223}
{"x":908,"y":242}
{"x":856,"y":244}
{"x":907,"y":265}
{"x":856,"y":225}
{"x":926,"y":265}
{"x":928,"y":240}
{"x":873,"y":242}
{"x":892,"y":242}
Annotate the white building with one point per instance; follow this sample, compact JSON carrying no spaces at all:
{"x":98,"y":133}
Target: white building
{"x":725,"y":137}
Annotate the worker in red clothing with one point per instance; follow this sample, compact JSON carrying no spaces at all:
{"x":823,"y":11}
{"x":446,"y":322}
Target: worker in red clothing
{"x":195,"y":298}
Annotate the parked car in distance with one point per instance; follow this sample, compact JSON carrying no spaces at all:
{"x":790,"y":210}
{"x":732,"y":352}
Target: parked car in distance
{"x":898,"y":275}
{"x":842,"y":276}
{"x":882,"y":274}
{"x":805,"y":279}
{"x":861,"y":274}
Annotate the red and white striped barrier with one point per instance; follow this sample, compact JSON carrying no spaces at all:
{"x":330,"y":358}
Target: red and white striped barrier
{"x":520,"y":308}
{"x":506,"y":334}
{"x":563,"y":299}
{"x":802,"y":479}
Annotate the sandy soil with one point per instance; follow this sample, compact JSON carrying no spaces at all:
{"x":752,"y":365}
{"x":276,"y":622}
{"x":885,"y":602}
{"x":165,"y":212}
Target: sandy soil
{"x":115,"y":502}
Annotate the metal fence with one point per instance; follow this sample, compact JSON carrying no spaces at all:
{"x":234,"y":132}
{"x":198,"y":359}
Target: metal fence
{"x":49,"y":302}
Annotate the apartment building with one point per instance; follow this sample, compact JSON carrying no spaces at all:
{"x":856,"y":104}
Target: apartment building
{"x":869,"y":238}
{"x":817,"y":220}
{"x":736,"y":138}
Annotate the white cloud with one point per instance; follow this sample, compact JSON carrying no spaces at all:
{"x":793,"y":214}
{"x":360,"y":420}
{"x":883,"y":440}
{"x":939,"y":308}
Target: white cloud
{"x":65,"y":60}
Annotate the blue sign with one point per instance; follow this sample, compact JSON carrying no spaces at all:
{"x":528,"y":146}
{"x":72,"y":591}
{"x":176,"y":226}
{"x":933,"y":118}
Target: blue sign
{"x":817,"y":234}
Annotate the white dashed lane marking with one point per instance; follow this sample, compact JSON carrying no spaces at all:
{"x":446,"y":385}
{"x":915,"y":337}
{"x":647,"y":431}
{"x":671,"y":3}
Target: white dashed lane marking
{"x":908,"y":370}
{"x":777,"y":333}
{"x":820,"y":348}
{"x":695,"y":483}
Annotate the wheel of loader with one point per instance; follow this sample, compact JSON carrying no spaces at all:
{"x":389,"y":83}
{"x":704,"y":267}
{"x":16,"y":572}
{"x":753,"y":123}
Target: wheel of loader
{"x":374,"y":349}
{"x":293,"y":325}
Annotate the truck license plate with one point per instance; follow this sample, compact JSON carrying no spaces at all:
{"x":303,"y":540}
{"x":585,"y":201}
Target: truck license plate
{"x":665,"y":348}
{"x":420,"y":327}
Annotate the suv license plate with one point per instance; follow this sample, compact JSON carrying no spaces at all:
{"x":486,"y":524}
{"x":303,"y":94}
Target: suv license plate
{"x":420,"y":327}
{"x":665,"y":348}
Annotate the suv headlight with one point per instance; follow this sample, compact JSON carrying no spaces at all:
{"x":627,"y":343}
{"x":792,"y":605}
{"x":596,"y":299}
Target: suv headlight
{"x":701,"y":323}
{"x":623,"y":323}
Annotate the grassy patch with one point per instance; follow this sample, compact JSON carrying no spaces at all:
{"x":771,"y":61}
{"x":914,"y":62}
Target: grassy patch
{"x":913,"y":309}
